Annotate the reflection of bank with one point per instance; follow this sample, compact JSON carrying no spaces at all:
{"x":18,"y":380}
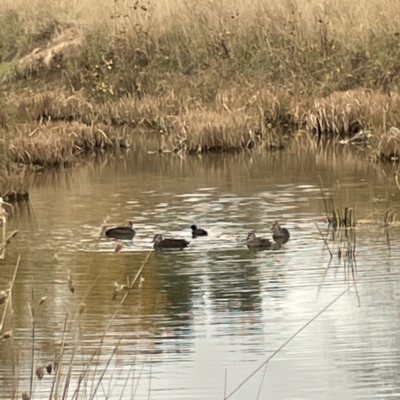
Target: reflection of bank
{"x":233,"y":293}
{"x":175,"y":282}
{"x":173,"y":318}
{"x":238,"y":279}
{"x":224,"y":288}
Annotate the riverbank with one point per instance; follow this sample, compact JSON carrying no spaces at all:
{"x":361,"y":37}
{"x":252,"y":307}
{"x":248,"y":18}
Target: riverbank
{"x":202,"y":77}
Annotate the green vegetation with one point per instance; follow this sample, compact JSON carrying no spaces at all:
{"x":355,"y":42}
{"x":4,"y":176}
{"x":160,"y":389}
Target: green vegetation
{"x":205,"y":76}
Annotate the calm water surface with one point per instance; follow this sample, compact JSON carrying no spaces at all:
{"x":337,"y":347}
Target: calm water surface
{"x":203,"y":319}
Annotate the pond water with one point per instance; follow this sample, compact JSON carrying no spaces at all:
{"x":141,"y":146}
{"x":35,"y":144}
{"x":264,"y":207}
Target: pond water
{"x":201,"y":321}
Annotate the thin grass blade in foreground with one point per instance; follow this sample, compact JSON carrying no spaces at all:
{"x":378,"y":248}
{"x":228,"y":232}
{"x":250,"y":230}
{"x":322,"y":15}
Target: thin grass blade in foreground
{"x":105,"y":369}
{"x":32,"y":314}
{"x":9,"y":295}
{"x":324,"y":239}
{"x":100,"y":344}
{"x":57,"y":376}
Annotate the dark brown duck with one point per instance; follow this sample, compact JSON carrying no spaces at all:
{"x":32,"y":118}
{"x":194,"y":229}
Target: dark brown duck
{"x":280,"y":234}
{"x":166,"y":243}
{"x":124,"y":232}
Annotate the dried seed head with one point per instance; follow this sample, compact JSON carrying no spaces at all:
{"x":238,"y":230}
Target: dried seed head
{"x":3,"y":296}
{"x":141,"y":282}
{"x":6,"y":335}
{"x":82,"y":308}
{"x":49,"y":368}
{"x":42,"y":300}
{"x":25,"y":396}
{"x":39,"y":373}
{"x":71,"y":284}
{"x":103,"y":230}
{"x":116,"y":290}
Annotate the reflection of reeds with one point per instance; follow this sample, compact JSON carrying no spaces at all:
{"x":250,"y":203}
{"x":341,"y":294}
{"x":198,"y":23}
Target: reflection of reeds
{"x":324,"y":239}
{"x":342,"y":223}
{"x":339,"y":218}
{"x":336,"y":217}
{"x":15,"y":183}
{"x":64,"y":365}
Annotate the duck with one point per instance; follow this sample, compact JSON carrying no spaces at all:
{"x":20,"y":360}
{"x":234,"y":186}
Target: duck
{"x":160,"y":242}
{"x":121,"y":232}
{"x":280,"y":234}
{"x":198,"y":231}
{"x":253,"y":242}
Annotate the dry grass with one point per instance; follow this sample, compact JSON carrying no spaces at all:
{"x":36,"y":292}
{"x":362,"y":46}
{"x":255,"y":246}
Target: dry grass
{"x":206,"y":75}
{"x":65,"y":44}
{"x":388,"y":148}
{"x":58,"y":126}
{"x":68,"y":125}
{"x":344,"y":113}
{"x":58,"y":144}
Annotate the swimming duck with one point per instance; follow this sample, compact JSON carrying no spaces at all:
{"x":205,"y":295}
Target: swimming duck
{"x":198,"y":231}
{"x":121,"y":232}
{"x":254,"y":242}
{"x":280,"y":234}
{"x":166,"y":243}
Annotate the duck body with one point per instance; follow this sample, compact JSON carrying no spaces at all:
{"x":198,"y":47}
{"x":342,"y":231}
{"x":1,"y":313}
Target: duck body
{"x":166,"y":243}
{"x":253,"y":242}
{"x":280,"y":234}
{"x":121,"y":232}
{"x":198,"y":231}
